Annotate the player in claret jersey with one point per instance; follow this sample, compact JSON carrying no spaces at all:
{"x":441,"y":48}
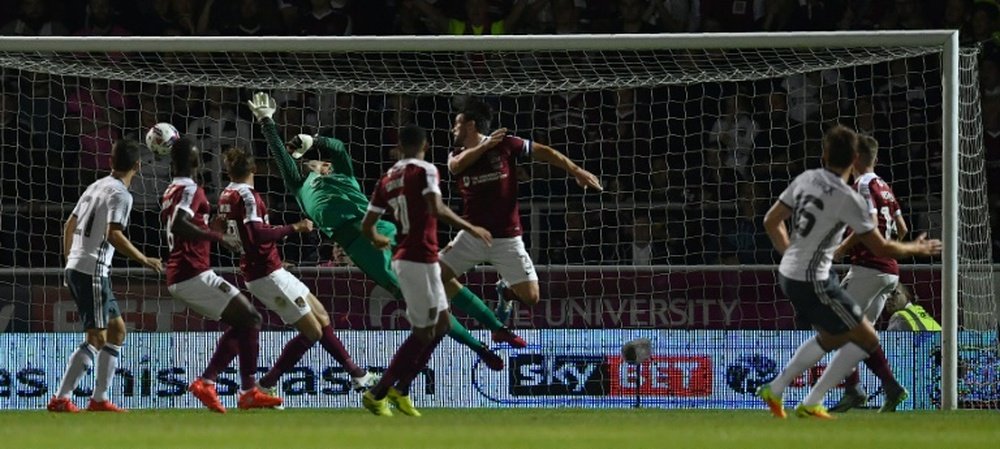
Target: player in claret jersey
{"x":246,"y":217}
{"x":872,"y":278}
{"x":410,"y":190}
{"x":190,"y":280}
{"x":331,"y":196}
{"x":487,"y":179}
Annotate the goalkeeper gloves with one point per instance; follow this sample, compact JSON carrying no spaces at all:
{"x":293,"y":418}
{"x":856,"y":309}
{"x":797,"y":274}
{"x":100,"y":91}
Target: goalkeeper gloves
{"x":262,"y":106}
{"x":300,"y":144}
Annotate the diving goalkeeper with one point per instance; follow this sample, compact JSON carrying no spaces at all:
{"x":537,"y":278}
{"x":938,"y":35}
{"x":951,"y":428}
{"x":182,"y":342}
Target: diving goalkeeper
{"x":329,"y":194}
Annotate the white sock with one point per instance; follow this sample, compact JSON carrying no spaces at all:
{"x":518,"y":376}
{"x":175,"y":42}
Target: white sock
{"x":842,"y":364}
{"x":107,"y":362}
{"x":79,"y":362}
{"x":808,"y":353}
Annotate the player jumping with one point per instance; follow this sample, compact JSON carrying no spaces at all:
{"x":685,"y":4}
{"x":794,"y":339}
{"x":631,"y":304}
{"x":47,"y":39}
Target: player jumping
{"x":331,"y":196}
{"x":872,"y":278}
{"x":410,"y":189}
{"x":94,"y":230}
{"x":820,"y":202}
{"x":191,"y":281}
{"x":487,"y":179}
{"x":246,"y":217}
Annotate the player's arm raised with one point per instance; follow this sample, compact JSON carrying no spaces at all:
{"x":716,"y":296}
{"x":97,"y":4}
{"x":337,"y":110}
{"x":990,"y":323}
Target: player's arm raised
{"x":263,"y":106}
{"x":261,"y":233}
{"x":774,"y":224}
{"x":459,"y":162}
{"x":117,"y":238}
{"x":336,"y":153}
{"x":437,"y":208}
{"x":547,"y":154}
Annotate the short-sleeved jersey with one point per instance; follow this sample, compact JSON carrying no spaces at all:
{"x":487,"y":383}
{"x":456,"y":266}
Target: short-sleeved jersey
{"x":241,"y":205}
{"x":822,"y":204}
{"x":188,"y":258}
{"x":402,"y":190}
{"x":489,"y":187}
{"x":106,"y":201}
{"x":882,"y":202}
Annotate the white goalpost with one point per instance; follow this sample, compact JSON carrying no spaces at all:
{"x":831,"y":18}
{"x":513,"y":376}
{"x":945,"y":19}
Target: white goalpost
{"x":647,"y":113}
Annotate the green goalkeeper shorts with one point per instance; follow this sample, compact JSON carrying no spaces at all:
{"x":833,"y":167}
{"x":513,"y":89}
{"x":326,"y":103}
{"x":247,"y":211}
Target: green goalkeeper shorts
{"x":375,"y":263}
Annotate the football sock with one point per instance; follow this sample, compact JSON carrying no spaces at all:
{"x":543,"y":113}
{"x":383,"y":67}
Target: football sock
{"x":808,"y":353}
{"x":336,"y":348}
{"x":462,"y":335}
{"x":405,"y":357}
{"x":844,"y":360}
{"x":79,"y":362}
{"x":405,"y":380}
{"x":249,"y":342}
{"x":853,"y":379}
{"x":107,"y":362}
{"x":880,"y":366}
{"x":290,"y":355}
{"x":473,"y":305}
{"x":225,"y":351}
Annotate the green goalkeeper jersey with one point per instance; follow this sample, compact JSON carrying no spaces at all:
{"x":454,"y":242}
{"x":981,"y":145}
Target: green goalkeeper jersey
{"x":329,"y":200}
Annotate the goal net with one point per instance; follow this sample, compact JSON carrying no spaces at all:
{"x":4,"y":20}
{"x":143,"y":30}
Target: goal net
{"x":692,"y":142}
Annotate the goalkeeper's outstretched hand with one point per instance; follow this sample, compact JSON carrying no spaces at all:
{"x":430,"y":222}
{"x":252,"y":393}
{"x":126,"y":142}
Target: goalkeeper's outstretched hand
{"x":262,"y":106}
{"x":299,"y":145}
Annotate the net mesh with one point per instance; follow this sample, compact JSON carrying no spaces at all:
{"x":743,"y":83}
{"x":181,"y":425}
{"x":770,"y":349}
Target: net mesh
{"x":691,"y":145}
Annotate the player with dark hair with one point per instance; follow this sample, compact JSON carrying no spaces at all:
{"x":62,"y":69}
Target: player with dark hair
{"x":331,"y":196}
{"x":191,"y":280}
{"x":820,"y":203}
{"x":94,"y":230}
{"x":246,"y":218}
{"x":871,"y":278}
{"x":410,"y":190}
{"x":487,"y":179}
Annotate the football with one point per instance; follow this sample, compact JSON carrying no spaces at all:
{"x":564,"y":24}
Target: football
{"x":161,"y":137}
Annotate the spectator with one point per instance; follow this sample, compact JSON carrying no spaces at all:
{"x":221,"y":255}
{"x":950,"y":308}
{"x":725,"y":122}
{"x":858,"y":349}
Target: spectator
{"x":643,"y":247}
{"x":96,"y":108}
{"x":904,"y":315}
{"x":734,"y":134}
{"x":101,"y":20}
{"x":240,"y":18}
{"x":477,"y":20}
{"x":677,"y":16}
{"x":636,"y":16}
{"x":983,"y":22}
{"x":326,"y":18}
{"x":955,"y":16}
{"x":34,"y":20}
{"x":168,"y":18}
{"x":732,"y":15}
{"x":218,"y":128}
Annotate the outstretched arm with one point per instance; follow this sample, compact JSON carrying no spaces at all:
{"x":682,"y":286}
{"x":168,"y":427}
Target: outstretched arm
{"x":545,"y":153}
{"x":337,"y":152}
{"x":263,"y":106}
{"x":461,"y":161}
{"x":116,"y":237}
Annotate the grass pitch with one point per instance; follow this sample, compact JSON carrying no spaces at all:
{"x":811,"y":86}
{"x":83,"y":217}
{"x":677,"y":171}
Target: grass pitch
{"x":506,"y":429}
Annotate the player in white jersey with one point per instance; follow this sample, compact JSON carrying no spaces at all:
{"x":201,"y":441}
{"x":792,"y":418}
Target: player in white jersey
{"x":820,"y":204}
{"x":92,"y":233}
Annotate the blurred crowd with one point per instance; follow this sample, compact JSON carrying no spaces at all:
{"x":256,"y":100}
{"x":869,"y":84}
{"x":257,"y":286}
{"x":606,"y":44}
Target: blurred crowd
{"x":689,"y":169}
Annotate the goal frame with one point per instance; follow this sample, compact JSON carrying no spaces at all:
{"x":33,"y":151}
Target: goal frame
{"x":947,"y":40}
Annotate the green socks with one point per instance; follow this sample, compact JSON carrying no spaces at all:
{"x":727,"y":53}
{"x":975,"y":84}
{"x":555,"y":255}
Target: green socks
{"x":462,"y":335}
{"x":469,"y":303}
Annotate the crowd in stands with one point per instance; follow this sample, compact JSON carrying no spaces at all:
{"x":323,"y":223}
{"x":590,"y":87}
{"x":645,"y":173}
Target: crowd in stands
{"x":689,"y":169}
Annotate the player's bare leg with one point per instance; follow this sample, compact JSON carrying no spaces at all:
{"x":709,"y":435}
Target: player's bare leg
{"x":526,"y":293}
{"x":462,"y":298}
{"x":406,"y":363}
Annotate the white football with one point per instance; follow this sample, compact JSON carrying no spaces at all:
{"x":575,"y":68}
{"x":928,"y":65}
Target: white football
{"x":161,"y":137}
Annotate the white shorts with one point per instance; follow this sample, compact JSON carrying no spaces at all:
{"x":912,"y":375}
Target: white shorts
{"x":207,"y":293}
{"x":507,"y":255}
{"x":283,"y":293}
{"x":422,"y":290}
{"x":869,"y":288}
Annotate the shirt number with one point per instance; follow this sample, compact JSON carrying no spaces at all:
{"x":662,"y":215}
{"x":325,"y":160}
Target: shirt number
{"x":399,"y":210}
{"x":890,"y":223}
{"x":806,"y":220}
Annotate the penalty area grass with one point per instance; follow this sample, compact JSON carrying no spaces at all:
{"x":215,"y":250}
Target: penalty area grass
{"x":496,"y":428}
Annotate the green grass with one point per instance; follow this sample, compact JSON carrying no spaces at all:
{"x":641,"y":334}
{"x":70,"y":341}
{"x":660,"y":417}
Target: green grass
{"x":507,"y":429}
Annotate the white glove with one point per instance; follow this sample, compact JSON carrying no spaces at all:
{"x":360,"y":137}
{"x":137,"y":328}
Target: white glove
{"x":262,"y":106}
{"x":300,"y":144}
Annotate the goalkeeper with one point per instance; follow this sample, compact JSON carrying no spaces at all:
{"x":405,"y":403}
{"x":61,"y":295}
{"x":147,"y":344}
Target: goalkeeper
{"x":330,"y":195}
